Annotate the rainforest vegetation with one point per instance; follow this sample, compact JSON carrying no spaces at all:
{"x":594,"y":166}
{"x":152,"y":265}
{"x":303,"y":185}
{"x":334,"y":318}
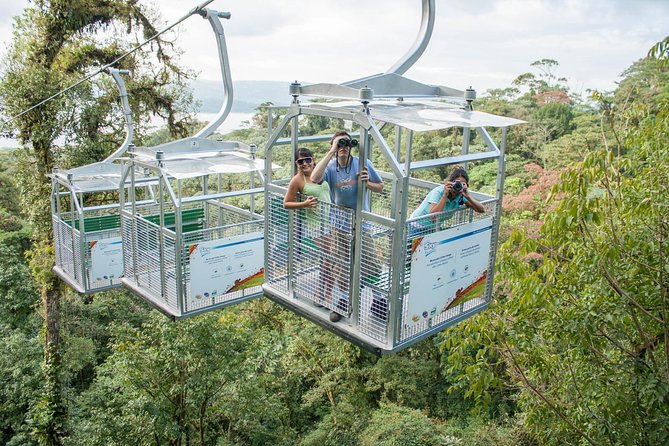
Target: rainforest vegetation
{"x":573,"y":350}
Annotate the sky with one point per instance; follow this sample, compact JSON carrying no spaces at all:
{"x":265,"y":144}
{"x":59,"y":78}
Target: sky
{"x":480,"y":43}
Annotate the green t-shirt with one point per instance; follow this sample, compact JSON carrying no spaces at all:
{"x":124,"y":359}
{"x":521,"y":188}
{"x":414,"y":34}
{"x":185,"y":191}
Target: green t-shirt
{"x":314,"y":216}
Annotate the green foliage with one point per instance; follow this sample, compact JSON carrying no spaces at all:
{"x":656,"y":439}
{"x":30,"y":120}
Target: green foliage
{"x":21,"y":379}
{"x":18,"y":291}
{"x":478,"y":431}
{"x":416,"y":379}
{"x":572,"y":147}
{"x":55,"y":44}
{"x":393,"y":425}
{"x":555,"y":119}
{"x":171,"y":381}
{"x":589,"y":319}
{"x":340,"y":427}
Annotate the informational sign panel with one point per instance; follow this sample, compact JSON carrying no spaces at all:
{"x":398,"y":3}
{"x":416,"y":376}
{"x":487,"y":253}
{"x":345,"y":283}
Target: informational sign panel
{"x":106,"y":259}
{"x":226,"y":265}
{"x":447,"y":268}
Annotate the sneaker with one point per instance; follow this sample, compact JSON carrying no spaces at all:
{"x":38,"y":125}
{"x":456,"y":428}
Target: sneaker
{"x":318,"y":303}
{"x":335,"y":317}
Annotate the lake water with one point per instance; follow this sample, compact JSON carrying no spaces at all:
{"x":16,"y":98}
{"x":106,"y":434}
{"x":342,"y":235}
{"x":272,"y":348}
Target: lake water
{"x":234,"y":121}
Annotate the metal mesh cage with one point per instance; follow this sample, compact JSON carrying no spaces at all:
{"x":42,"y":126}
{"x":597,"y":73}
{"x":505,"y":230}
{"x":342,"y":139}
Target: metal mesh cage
{"x":389,"y":294}
{"x":67,"y":242}
{"x":321,"y":256}
{"x":159,"y":253}
{"x":311,"y":258}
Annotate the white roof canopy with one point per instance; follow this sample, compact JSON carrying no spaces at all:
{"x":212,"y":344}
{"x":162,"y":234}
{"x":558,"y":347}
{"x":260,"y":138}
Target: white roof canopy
{"x":422,"y":116}
{"x":185,"y":165}
{"x":187,"y":158}
{"x":96,"y":177}
{"x":194,"y":157}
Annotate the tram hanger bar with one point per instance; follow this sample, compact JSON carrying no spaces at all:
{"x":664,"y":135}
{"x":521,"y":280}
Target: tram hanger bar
{"x":196,"y":10}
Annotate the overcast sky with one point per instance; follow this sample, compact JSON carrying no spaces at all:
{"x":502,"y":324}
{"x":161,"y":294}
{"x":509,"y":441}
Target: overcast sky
{"x":482,"y":43}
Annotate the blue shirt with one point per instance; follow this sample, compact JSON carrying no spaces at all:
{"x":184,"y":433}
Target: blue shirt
{"x":433,"y":197}
{"x":343,"y":182}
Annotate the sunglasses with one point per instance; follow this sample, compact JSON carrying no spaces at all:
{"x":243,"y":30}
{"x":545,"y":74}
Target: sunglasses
{"x":307,"y":160}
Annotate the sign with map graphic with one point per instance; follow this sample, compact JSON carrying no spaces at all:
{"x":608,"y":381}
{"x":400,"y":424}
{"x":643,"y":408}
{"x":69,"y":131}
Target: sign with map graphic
{"x":106,"y":259}
{"x":447,"y":268}
{"x":225,"y":265}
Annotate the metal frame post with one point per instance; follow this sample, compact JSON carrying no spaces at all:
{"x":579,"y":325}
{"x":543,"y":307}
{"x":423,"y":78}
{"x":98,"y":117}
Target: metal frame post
{"x":127,"y":113}
{"x":395,"y":303}
{"x":291,"y":215}
{"x":205,"y":191}
{"x":252,"y":180}
{"x":55,"y":210}
{"x":133,"y":219}
{"x":178,"y":249}
{"x":501,"y":171}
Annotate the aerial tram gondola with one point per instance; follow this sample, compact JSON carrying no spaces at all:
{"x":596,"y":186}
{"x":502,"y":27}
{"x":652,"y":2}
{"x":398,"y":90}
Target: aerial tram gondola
{"x":87,"y":232}
{"x":199,"y":246}
{"x":430,"y":278}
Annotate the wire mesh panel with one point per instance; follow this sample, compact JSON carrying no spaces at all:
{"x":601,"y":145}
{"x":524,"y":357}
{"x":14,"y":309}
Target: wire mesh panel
{"x":55,"y":223}
{"x":98,"y":250}
{"x":186,"y":272}
{"x":149,"y":260}
{"x":321,"y":255}
{"x":276,"y":254}
{"x":375,"y":279}
{"x":68,"y":252}
{"x":340,"y":255}
{"x":87,"y":240}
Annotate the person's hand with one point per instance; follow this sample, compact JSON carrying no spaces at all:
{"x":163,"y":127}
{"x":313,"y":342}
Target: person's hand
{"x":335,"y":145}
{"x":311,"y":202}
{"x":465,"y":190}
{"x":364,"y":175}
{"x":448,"y":187}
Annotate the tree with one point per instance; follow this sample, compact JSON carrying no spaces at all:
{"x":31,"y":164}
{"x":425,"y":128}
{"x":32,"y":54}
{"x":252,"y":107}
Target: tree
{"x":546,"y":80}
{"x":54,"y":43}
{"x":393,"y":425}
{"x":208,"y":378}
{"x":582,"y":320}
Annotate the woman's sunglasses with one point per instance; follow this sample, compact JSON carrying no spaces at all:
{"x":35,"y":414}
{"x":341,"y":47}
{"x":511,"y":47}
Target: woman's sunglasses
{"x":307,"y":160}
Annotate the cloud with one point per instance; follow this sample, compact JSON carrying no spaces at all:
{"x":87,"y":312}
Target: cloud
{"x":484,"y":43}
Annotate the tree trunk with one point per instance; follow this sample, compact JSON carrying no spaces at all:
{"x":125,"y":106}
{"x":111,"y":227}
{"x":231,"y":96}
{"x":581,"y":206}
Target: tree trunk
{"x":50,"y":419}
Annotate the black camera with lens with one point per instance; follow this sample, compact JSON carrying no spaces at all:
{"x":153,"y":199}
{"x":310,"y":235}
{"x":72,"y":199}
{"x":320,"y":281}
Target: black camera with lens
{"x":458,"y":186}
{"x":345,"y":142}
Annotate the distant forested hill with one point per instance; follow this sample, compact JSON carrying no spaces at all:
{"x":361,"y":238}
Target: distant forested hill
{"x":247,"y":94}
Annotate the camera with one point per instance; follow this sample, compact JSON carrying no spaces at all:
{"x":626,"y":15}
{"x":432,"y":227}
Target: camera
{"x":457,"y":186}
{"x":345,"y":142}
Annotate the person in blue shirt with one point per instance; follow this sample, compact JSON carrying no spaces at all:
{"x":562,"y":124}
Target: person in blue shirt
{"x":340,"y":169}
{"x":452,"y":195}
